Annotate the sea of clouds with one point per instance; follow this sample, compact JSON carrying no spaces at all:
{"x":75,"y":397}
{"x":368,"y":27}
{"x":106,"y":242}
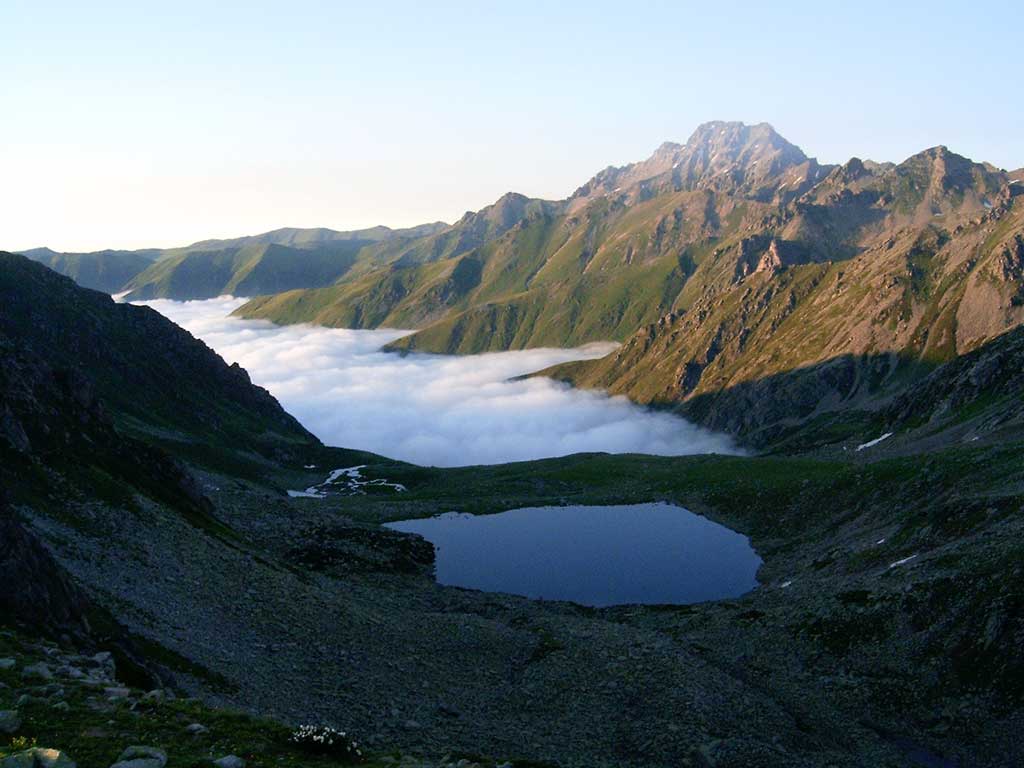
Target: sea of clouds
{"x":433,"y":409}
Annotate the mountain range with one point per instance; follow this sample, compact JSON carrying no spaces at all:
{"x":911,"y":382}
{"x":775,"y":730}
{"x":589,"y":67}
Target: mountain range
{"x":858,"y":326}
{"x":753,"y":289}
{"x":279,"y":260}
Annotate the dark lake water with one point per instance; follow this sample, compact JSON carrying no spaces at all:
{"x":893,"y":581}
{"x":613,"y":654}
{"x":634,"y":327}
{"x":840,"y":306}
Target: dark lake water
{"x":637,"y":553}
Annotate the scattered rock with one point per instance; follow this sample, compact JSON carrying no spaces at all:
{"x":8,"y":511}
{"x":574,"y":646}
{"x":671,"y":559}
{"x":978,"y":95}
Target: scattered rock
{"x":154,"y":697}
{"x":7,"y":663}
{"x":196,"y":729}
{"x":448,"y":710}
{"x":73,"y":673}
{"x":117,"y":693}
{"x":38,"y":671}
{"x":10,"y":721}
{"x":704,"y":755}
{"x":141,"y":757}
{"x":230,"y":761}
{"x":38,"y":757}
{"x":61,"y":706}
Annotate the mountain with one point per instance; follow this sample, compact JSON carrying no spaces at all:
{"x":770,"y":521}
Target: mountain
{"x":612,"y":257}
{"x":128,"y":371}
{"x":300,"y":238}
{"x":936,"y":268}
{"x":279,"y":260}
{"x":753,"y":288}
{"x":106,"y":271}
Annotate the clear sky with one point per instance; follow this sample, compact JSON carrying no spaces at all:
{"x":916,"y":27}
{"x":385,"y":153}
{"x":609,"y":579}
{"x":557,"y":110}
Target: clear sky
{"x":131,"y":124}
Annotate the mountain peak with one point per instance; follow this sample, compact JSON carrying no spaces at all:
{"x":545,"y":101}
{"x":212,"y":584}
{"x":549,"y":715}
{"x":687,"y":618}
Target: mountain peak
{"x":736,"y":136}
{"x":726,"y":155}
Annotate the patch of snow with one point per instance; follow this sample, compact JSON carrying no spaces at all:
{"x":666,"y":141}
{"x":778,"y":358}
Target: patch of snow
{"x":353,"y":484}
{"x":310,"y":466}
{"x":350,"y":472}
{"x":785,"y":584}
{"x":119,"y":297}
{"x":904,"y":561}
{"x":876,"y":441}
{"x":309,"y":493}
{"x":880,"y":541}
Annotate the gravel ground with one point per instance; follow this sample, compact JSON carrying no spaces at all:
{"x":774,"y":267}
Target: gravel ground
{"x":384,"y":652}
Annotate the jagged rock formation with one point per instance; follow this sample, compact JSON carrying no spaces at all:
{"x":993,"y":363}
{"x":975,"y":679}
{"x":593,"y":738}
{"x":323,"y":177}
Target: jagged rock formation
{"x":36,"y":592}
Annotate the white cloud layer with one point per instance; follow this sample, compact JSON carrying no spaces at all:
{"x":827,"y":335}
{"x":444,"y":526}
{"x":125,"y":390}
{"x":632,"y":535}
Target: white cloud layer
{"x":433,"y":409}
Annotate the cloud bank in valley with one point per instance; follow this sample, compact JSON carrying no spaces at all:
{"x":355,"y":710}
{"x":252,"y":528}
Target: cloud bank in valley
{"x":433,"y":409}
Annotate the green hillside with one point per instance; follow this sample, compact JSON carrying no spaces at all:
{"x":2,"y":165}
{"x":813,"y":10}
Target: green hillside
{"x":106,"y":271}
{"x":751,"y":287}
{"x":274,"y":261}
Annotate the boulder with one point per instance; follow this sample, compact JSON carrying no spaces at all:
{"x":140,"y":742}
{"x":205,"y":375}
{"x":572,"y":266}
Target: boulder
{"x":141,"y":757}
{"x":38,"y":671}
{"x":38,"y":757}
{"x":7,"y":663}
{"x":230,"y":761}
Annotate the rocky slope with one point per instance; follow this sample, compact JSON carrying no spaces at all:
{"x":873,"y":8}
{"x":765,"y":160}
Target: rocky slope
{"x":76,"y":360}
{"x":784,"y":342}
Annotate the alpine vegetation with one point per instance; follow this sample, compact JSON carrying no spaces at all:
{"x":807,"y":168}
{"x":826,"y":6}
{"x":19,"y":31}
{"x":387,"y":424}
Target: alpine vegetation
{"x":324,"y":740}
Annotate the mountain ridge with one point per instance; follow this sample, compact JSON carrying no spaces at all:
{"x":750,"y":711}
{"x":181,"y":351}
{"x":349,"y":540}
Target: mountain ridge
{"x":716,"y":263}
{"x":308,"y":257}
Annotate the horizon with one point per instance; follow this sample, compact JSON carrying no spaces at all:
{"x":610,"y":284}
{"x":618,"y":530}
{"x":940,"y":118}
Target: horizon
{"x":452,"y":220}
{"x":199,"y":124}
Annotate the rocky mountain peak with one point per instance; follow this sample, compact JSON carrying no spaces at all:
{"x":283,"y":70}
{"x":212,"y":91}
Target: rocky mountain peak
{"x":720,"y":134}
{"x":727,"y":156}
{"x":719,"y":145}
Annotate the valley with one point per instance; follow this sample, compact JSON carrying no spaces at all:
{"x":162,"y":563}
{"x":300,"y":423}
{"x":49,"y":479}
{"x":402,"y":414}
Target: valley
{"x":828,"y":359}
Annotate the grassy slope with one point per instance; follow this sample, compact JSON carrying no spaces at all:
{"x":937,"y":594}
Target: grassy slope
{"x":265,"y":263}
{"x":107,"y":271}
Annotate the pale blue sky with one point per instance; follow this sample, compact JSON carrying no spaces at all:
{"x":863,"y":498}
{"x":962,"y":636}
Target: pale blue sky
{"x":152,"y":124}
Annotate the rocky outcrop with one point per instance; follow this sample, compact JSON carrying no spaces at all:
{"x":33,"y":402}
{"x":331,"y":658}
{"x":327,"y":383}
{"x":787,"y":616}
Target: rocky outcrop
{"x":36,"y":593}
{"x":147,"y":374}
